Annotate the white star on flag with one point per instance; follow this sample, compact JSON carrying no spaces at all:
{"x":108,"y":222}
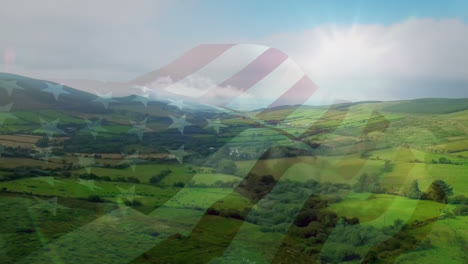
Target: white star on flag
{"x":142,"y":88}
{"x":5,"y":113}
{"x":50,"y":180}
{"x":179,"y":123}
{"x":55,"y":89}
{"x":132,"y":160}
{"x":129,"y":194}
{"x":215,"y":124}
{"x":179,"y":154}
{"x":3,"y":151}
{"x":9,"y":86}
{"x":104,"y":99}
{"x":93,"y":127}
{"x":49,"y":128}
{"x":178,"y":103}
{"x":89,"y":184}
{"x":139,"y":128}
{"x":144,"y":99}
{"x":44,"y":154}
{"x":49,"y":205}
{"x":86,"y":162}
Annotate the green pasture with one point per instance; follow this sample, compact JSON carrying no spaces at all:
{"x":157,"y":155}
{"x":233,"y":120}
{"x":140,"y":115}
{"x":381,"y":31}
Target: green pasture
{"x":212,"y":178}
{"x":451,"y":147}
{"x":448,"y":237}
{"x":27,"y":228}
{"x":11,"y":163}
{"x":150,"y":196}
{"x":144,"y":172}
{"x":436,"y":105}
{"x":404,"y":173}
{"x":382,"y":209}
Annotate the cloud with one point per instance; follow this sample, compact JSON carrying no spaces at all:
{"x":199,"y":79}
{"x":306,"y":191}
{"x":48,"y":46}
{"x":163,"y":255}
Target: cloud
{"x":117,"y":40}
{"x":414,"y":58}
{"x":194,"y":85}
{"x":109,"y":39}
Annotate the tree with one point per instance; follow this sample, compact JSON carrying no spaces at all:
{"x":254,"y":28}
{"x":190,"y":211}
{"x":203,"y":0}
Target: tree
{"x":160,"y":176}
{"x":448,"y":190}
{"x":95,"y":199}
{"x":444,"y":160}
{"x":179,"y":184}
{"x":461,"y":210}
{"x":459,"y":199}
{"x":413,"y":190}
{"x":43,"y":142}
{"x":368,"y":183}
{"x":398,"y":222}
{"x":439,"y":191}
{"x":388,"y":166}
{"x":226,"y":166}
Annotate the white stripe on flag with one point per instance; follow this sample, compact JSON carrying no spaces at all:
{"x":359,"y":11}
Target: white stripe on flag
{"x":321,"y":97}
{"x":219,"y":70}
{"x":269,"y":88}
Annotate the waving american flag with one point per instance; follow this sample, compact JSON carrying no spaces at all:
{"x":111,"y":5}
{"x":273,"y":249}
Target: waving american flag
{"x":238,"y":77}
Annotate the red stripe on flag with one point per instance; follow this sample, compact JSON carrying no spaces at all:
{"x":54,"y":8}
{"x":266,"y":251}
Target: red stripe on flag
{"x":246,"y":78}
{"x":298,"y":94}
{"x":187,"y":64}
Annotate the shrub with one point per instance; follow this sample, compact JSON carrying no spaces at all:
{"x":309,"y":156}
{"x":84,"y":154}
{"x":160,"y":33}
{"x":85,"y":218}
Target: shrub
{"x":313,"y":229}
{"x":155,"y":179}
{"x":439,"y":191}
{"x":387,"y":167}
{"x":413,"y":190}
{"x":304,"y":218}
{"x":351,"y":220}
{"x":459,"y":199}
{"x":133,"y":179}
{"x":365,"y":155}
{"x":368,"y":183}
{"x":106,"y":178}
{"x":426,"y":244}
{"x":132,"y":203}
{"x":179,"y":184}
{"x":90,"y":176}
{"x":160,"y":176}
{"x":398,"y":222}
{"x":165,"y":173}
{"x":444,"y":160}
{"x":226,"y":166}
{"x":95,"y":199}
{"x":43,"y":142}
{"x":461,"y":210}
{"x":120,"y":179}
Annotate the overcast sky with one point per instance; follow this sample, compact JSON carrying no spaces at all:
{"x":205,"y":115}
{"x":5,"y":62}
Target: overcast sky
{"x":355,"y":50}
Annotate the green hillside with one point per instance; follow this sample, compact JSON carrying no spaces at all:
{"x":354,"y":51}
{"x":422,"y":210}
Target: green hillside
{"x":366,"y":182}
{"x":429,"y":106}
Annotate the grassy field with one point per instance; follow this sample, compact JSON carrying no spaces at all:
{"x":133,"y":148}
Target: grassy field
{"x":24,"y":141}
{"x":381,"y":210}
{"x":144,"y":172}
{"x":336,"y":186}
{"x":404,"y":173}
{"x":212,"y":178}
{"x":11,"y":163}
{"x":429,"y":106}
{"x":449,"y":238}
{"x":452,"y":147}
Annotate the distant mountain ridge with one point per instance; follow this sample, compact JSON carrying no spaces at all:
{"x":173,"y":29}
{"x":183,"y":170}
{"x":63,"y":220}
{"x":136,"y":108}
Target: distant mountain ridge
{"x":33,"y":97}
{"x":429,"y":106}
